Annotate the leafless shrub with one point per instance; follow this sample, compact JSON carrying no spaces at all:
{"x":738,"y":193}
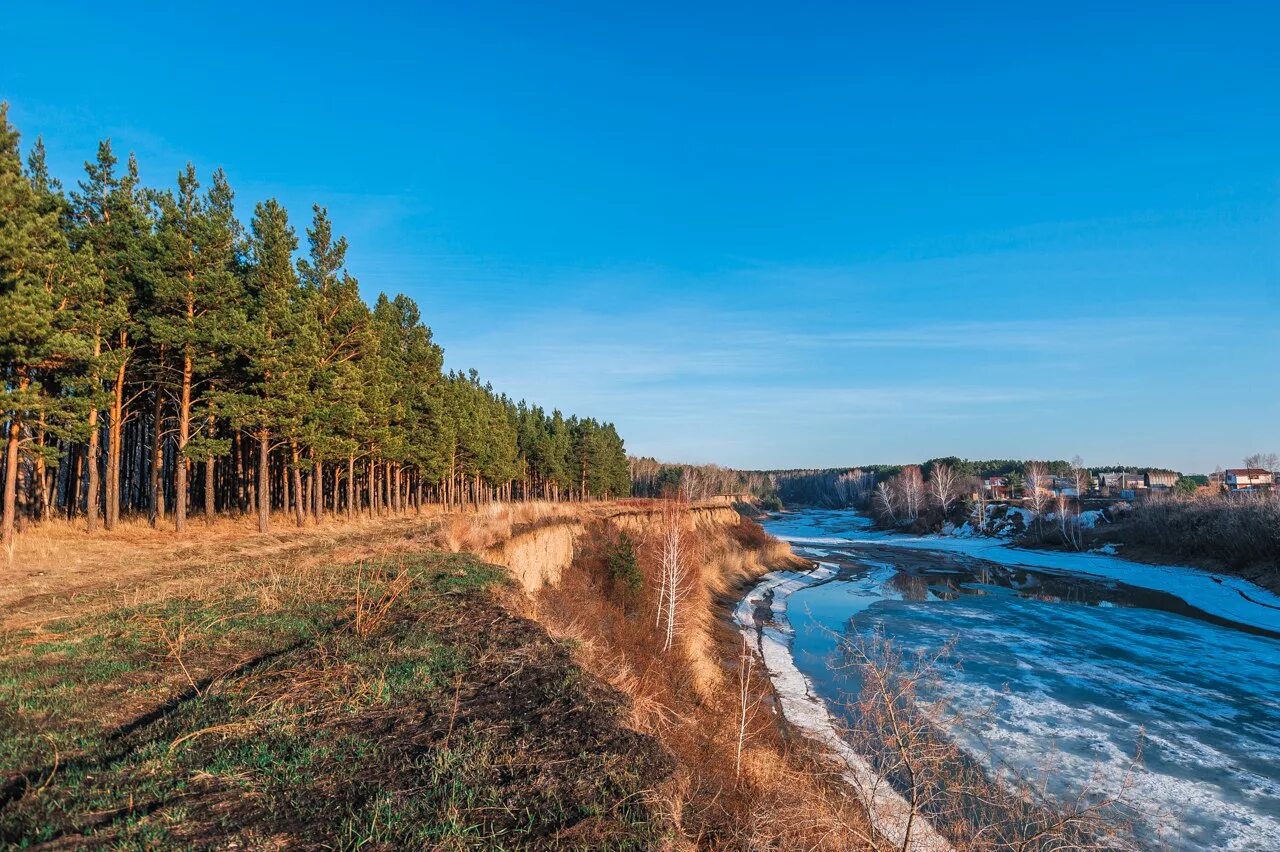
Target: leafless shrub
{"x":1239,"y":529}
{"x":907,"y":738}
{"x":374,"y":597}
{"x":1068,"y":523}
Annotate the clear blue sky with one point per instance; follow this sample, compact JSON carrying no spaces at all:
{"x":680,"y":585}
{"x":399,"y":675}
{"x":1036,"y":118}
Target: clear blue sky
{"x":782,"y":235}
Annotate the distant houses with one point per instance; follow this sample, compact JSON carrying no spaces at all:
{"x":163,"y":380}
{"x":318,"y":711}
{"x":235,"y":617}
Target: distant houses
{"x":1063,"y":486}
{"x":1126,"y":485}
{"x":1248,"y":479}
{"x":997,"y":488}
{"x":1122,"y":484}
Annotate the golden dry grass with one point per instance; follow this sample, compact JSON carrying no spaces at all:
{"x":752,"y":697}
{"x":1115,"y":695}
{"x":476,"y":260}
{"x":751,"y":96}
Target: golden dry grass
{"x":57,"y":568}
{"x":786,"y":794}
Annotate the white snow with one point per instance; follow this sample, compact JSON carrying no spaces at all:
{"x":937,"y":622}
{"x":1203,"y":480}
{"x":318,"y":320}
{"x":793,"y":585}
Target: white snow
{"x":1091,"y":518}
{"x":1222,"y":595}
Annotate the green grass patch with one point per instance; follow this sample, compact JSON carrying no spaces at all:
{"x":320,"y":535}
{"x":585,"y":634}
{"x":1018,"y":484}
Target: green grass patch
{"x":376,"y":706}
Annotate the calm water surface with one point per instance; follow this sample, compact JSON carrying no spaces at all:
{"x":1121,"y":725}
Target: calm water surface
{"x":1076,"y":670}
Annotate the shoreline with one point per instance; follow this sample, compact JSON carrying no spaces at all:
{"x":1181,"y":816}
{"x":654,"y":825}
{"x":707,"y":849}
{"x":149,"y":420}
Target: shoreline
{"x":807,"y":713}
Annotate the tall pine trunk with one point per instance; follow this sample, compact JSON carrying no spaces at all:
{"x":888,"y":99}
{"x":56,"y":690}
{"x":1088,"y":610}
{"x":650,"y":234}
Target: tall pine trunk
{"x":93,"y":485}
{"x":95,"y":449}
{"x":7,"y":517}
{"x":295,"y":475}
{"x":264,"y":480}
{"x":157,"y":460}
{"x":317,"y":487}
{"x":209,"y":483}
{"x":387,"y":499}
{"x":115,"y":446}
{"x":41,"y":474}
{"x":351,"y":487}
{"x":184,"y":436}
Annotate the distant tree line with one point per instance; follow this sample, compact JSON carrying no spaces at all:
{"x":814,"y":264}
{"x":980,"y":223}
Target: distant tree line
{"x":652,"y":478}
{"x":158,"y":357}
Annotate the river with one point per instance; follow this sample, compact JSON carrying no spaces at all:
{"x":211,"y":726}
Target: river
{"x":1078,"y":661}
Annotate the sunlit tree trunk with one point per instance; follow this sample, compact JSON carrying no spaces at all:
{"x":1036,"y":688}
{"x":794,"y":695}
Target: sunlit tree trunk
{"x":115,"y":446}
{"x":351,"y":487}
{"x":7,"y":518}
{"x":264,"y":480}
{"x":210,"y":493}
{"x":157,"y":459}
{"x":295,"y":476}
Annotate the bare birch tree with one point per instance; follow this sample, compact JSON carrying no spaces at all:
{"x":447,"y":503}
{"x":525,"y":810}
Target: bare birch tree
{"x":746,"y":702}
{"x":911,"y":488}
{"x":1079,"y":476}
{"x":943,"y":486}
{"x":672,"y":572}
{"x":1037,"y":489}
{"x":886,"y":503}
{"x":979,"y":508}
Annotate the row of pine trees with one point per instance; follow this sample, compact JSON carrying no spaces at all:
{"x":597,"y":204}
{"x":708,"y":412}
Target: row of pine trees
{"x":160,"y":358}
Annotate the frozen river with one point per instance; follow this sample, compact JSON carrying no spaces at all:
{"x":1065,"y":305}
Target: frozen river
{"x":1075,"y":659}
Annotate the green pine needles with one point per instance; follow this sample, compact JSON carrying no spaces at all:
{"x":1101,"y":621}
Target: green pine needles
{"x":159,"y":357}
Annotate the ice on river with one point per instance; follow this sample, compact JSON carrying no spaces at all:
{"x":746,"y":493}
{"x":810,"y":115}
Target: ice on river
{"x":1221,"y":595}
{"x":1074,"y":664}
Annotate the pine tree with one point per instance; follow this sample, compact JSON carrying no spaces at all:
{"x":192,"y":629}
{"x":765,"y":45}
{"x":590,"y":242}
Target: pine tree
{"x":272,"y":347}
{"x":193,"y":304}
{"x":342,"y":332}
{"x":112,"y":218}
{"x":147,"y":319}
{"x":40,"y":352}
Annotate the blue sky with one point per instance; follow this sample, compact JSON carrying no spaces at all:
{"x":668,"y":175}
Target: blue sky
{"x":761,"y":235}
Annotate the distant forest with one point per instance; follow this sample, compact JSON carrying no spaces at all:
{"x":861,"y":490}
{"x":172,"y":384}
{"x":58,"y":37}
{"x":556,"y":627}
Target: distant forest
{"x":159,"y":357}
{"x":652,"y":478}
{"x":833,"y":487}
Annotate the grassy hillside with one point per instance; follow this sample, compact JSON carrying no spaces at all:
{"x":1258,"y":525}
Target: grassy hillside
{"x":394,"y":704}
{"x":377,"y":685}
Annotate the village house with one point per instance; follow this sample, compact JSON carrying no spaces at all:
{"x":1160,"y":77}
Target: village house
{"x":1120,"y":484}
{"x":996,"y":488}
{"x":1063,"y":486}
{"x":1108,"y":481}
{"x":1249,"y":479}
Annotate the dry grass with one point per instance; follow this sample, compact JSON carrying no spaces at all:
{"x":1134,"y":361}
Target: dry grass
{"x":1242,"y":530}
{"x":780,"y":794}
{"x":389,"y":705}
{"x":58,"y":567}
